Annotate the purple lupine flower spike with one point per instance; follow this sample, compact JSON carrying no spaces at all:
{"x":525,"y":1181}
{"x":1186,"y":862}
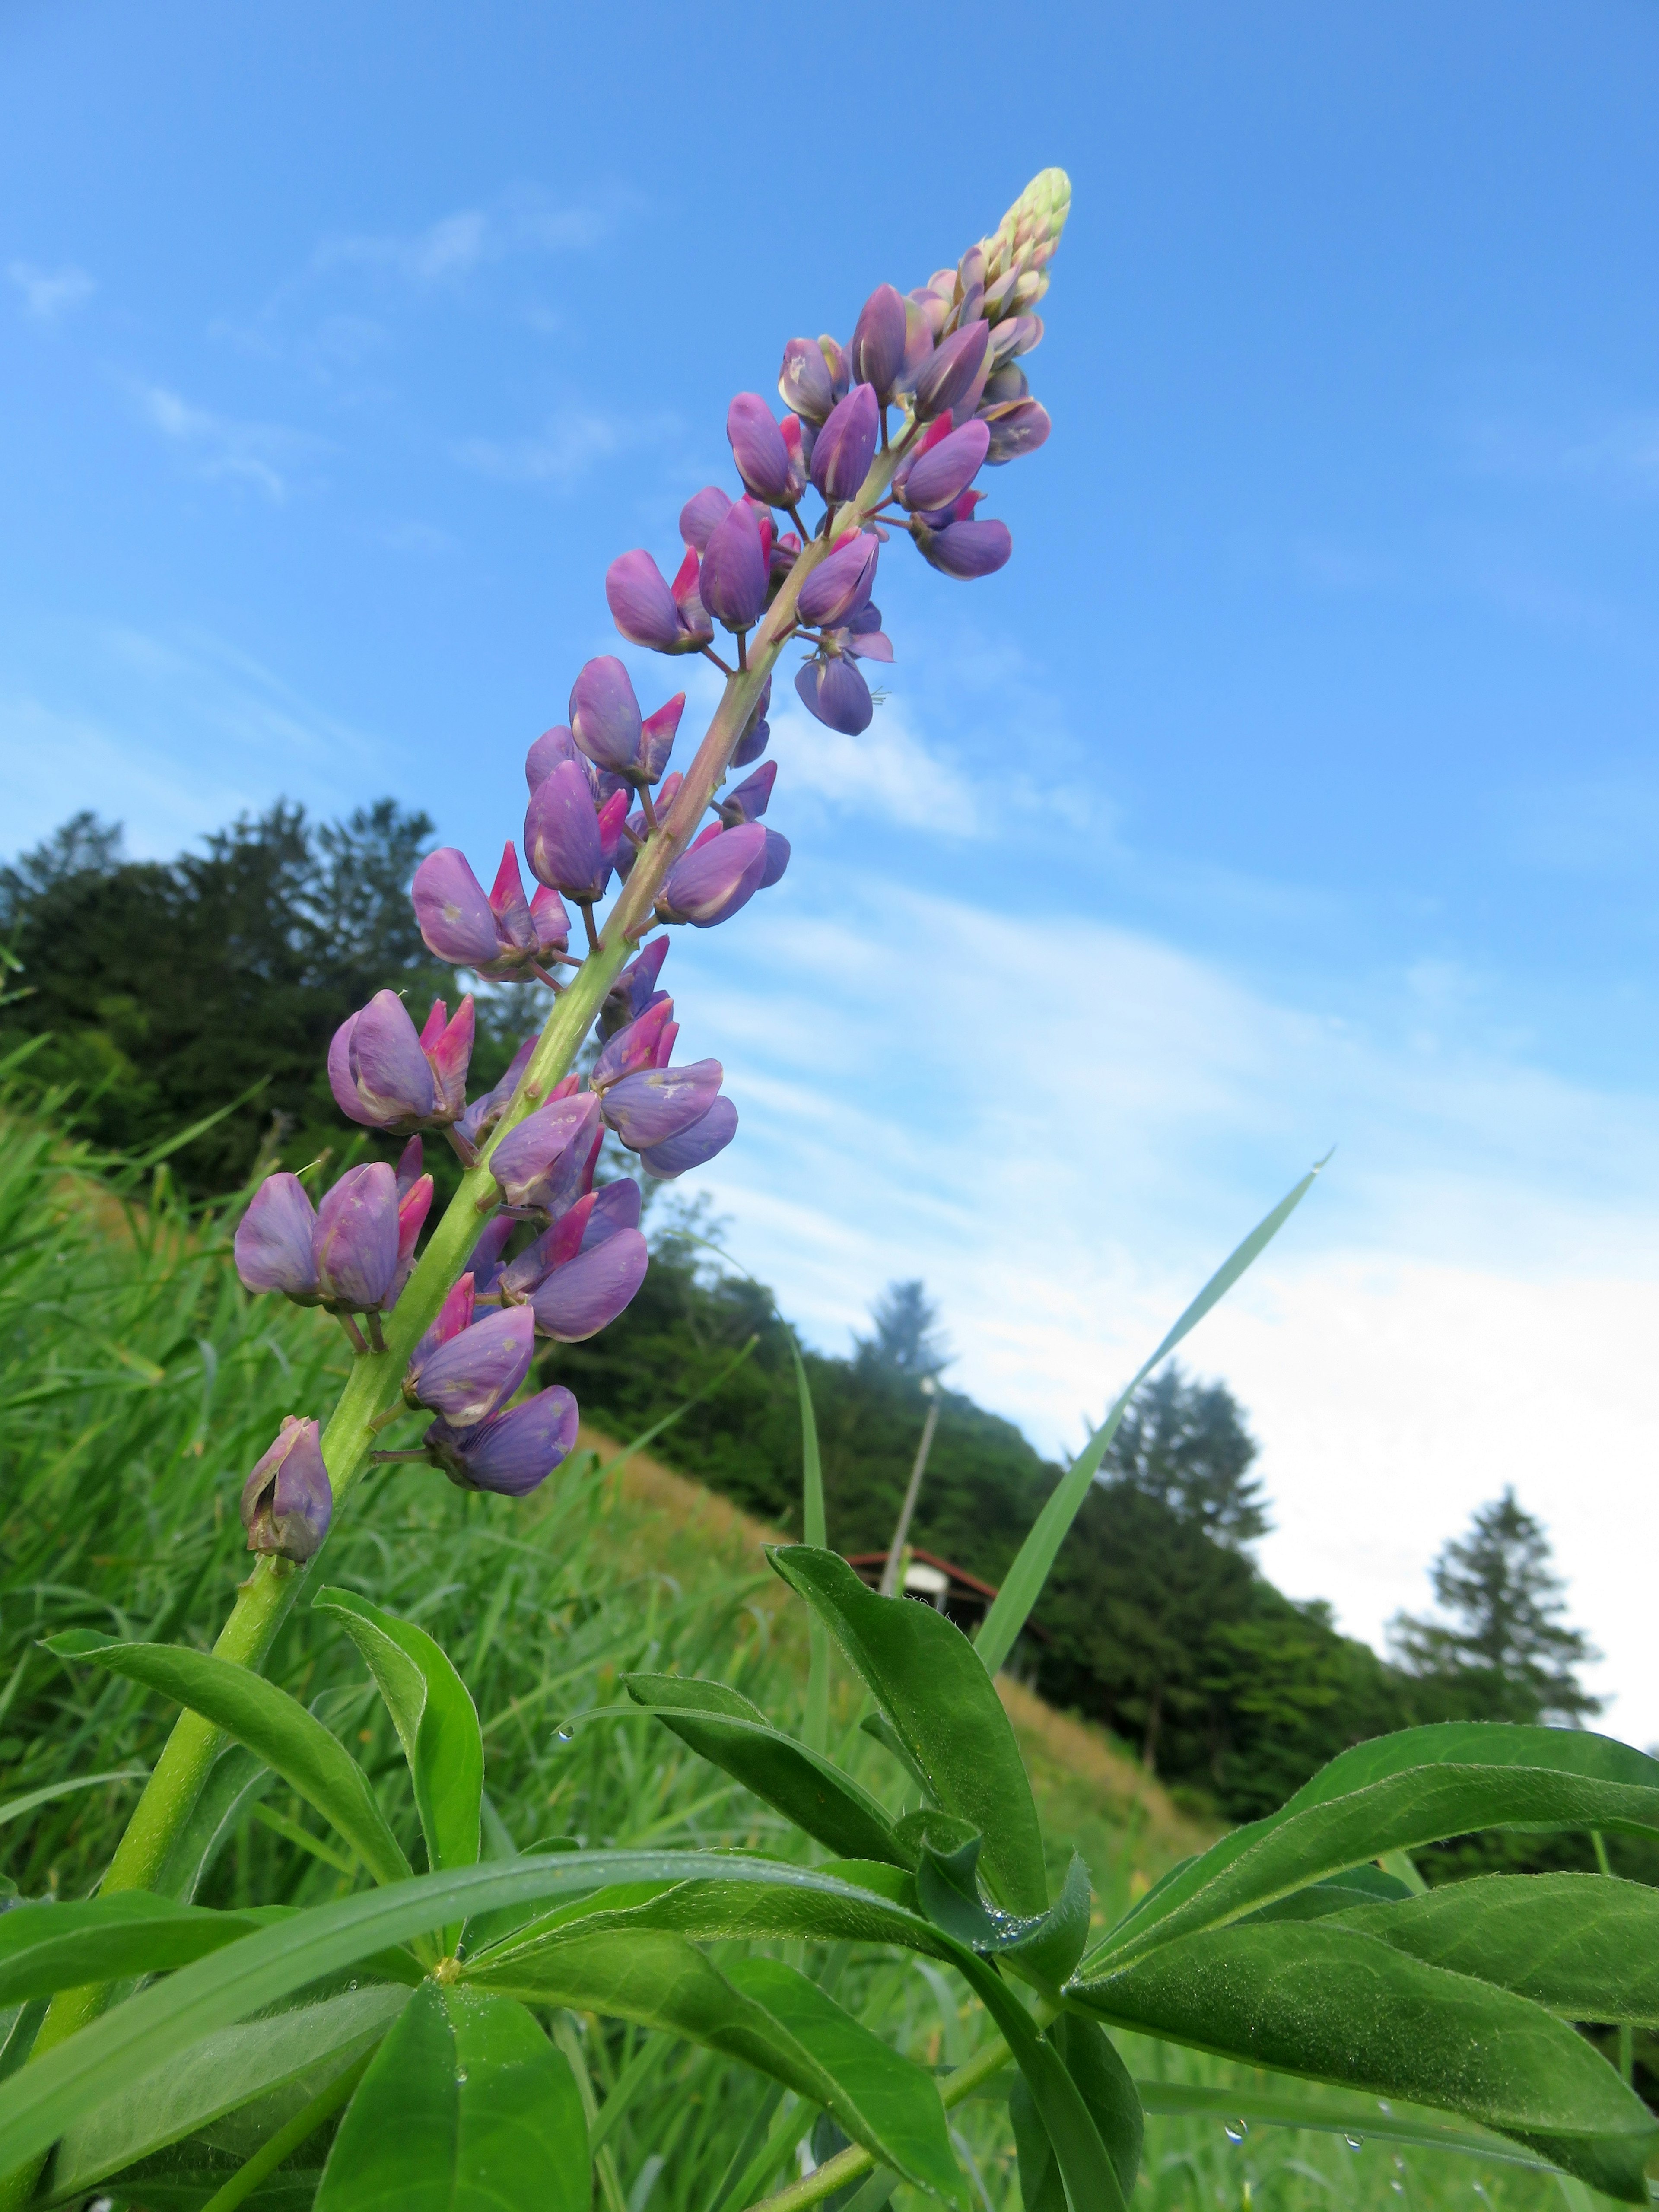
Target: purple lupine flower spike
{"x":846,"y":445}
{"x":693,"y":1145}
{"x":455,"y":918}
{"x":658,"y":1102}
{"x":356,"y":1239}
{"x":736,"y":569}
{"x":275,"y":1247}
{"x":646,"y":610}
{"x":720,"y":873}
{"x":376,"y":1069}
{"x":288,"y":1501}
{"x":751,"y":799}
{"x":562,"y":834}
{"x":700,"y":514}
{"x":843,"y":583}
{"x":952,"y":371}
{"x":945,"y":467}
{"x":512,"y":1453}
{"x":477,"y":1371}
{"x":527,"y":1160}
{"x":604,"y":714}
{"x":584,"y":1295}
{"x":876,"y":355}
{"x":833,"y":689}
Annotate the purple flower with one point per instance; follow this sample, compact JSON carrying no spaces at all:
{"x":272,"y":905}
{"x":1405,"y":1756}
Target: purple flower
{"x":777,"y":858}
{"x":964,"y":550}
{"x":587,"y":1292}
{"x":841,"y":584}
{"x":1015,"y":429}
{"x":385,"y":1077}
{"x":876,"y":355}
{"x":552,"y":746}
{"x":953,"y":368}
{"x":846,"y":445}
{"x":500,"y":936}
{"x":275,"y":1246}
{"x":527,"y":1161}
{"x":635,"y":991}
{"x":805,"y":382}
{"x":699,"y":515}
{"x":477,"y":1371}
{"x":414,"y":1203}
{"x":693,"y":1144}
{"x":646,"y":1043}
{"x":605,"y":715}
{"x":561,"y":835}
{"x":755,"y":731}
{"x":749,"y":800}
{"x":356,"y":1240}
{"x":736,"y":567}
{"x":483,"y":1114}
{"x":647,"y":611}
{"x":657,"y":735}
{"x":484,"y":1266}
{"x":945,"y":467}
{"x":769,"y":470}
{"x":832,"y":689}
{"x":646,"y":1109}
{"x":288,"y":1501}
{"x":616,"y":1206}
{"x":455,"y":1313}
{"x":720,"y":873}
{"x":512,"y":1453}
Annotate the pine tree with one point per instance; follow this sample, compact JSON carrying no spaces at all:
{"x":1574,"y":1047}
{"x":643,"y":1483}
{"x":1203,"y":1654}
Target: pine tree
{"x":907,"y":1339}
{"x":1185,"y":1444}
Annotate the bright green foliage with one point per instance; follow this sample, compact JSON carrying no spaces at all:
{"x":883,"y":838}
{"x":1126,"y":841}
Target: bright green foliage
{"x":1104,"y":2084}
{"x":44,"y":1948}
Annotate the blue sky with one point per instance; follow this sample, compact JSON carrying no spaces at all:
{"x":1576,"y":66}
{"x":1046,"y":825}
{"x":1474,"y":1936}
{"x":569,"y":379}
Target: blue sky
{"x":1296,"y":784}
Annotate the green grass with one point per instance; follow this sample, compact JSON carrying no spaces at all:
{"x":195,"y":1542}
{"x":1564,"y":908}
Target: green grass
{"x":137,"y":1385}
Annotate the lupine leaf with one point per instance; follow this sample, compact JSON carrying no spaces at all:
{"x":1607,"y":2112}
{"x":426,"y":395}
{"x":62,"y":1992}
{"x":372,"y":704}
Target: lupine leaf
{"x":237,"y":1777}
{"x":433,"y":1714}
{"x":1323,"y":2000}
{"x":47,"y":1947}
{"x":1477,"y":1743}
{"x":943,"y":1706}
{"x":1584,"y":1945}
{"x":1022,"y":1585}
{"x":466,"y":2107}
{"x":1323,"y":2114}
{"x":814,"y":1529}
{"x":1107,"y":2088}
{"x":805,"y":1787}
{"x":269,"y":1721}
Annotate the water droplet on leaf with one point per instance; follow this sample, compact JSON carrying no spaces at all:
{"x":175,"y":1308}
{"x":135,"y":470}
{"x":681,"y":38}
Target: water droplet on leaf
{"x":1235,"y":2130}
{"x":1354,"y":2143}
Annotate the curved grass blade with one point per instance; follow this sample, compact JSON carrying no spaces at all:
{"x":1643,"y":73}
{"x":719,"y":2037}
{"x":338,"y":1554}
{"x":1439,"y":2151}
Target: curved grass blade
{"x":16,"y":1808}
{"x":47,"y":1947}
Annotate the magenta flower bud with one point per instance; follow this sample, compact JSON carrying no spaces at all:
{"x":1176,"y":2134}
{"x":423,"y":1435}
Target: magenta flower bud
{"x":841,"y":584}
{"x":587,"y":1294}
{"x":846,"y":445}
{"x":525,"y":1161}
{"x":876,"y":356}
{"x":646,"y":1042}
{"x":700,"y":514}
{"x":646,"y":1109}
{"x":605,"y":715}
{"x":952,"y":369}
{"x":646,"y":610}
{"x":550,"y":923}
{"x":945,"y":471}
{"x":688,"y":597}
{"x":718,"y":874}
{"x":1015,"y":430}
{"x":693,"y":1145}
{"x":275,"y":1246}
{"x":475,"y":1374}
{"x":964,"y":550}
{"x":735,"y":569}
{"x":804,"y":381}
{"x":455,"y":919}
{"x":356,"y":1239}
{"x":751,"y":799}
{"x":447,"y":1046}
{"x":758,"y":447}
{"x":376,"y":1069}
{"x":512,"y":1453}
{"x":616,"y":1206}
{"x":561,"y":835}
{"x":509,"y":906}
{"x":414,"y":1203}
{"x":287,"y":1500}
{"x":455,"y":1313}
{"x":835,"y":691}
{"x":657,"y":734}
{"x":777,"y":858}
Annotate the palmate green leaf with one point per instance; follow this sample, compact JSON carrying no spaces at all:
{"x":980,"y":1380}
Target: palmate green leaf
{"x":722,"y":1727}
{"x":1107,"y":2088}
{"x":435,"y":1718}
{"x":1323,"y":2000}
{"x":1022,"y":1585}
{"x":269,"y":1721}
{"x":944,"y":1709}
{"x":661,"y":1980}
{"x":47,"y":1947}
{"x":1584,"y":1945}
{"x":466,"y":2107}
{"x":263,"y":2071}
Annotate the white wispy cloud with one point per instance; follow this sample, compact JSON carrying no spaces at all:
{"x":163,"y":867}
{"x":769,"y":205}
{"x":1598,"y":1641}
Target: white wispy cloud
{"x":570,"y":445}
{"x":262,"y":455}
{"x":50,"y":294}
{"x":455,"y":246}
{"x":889,"y":772}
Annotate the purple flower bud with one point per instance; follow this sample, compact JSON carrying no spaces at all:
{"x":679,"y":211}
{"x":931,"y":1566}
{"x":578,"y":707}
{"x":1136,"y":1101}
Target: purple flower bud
{"x":646,"y":610}
{"x":605,"y":715}
{"x":512,"y":1453}
{"x":455,"y":919}
{"x":447,"y":1048}
{"x":475,"y":1374}
{"x":846,"y":445}
{"x":764,"y":461}
{"x":274,"y":1243}
{"x":953,"y":368}
{"x":804,"y":381}
{"x":835,"y":691}
{"x":693,"y":1145}
{"x":561,"y":838}
{"x":646,"y":1043}
{"x":735,"y":569}
{"x":945,"y":471}
{"x":484,"y":1266}
{"x":876,"y":355}
{"x":751,"y":799}
{"x":288,"y":1501}
{"x":720,"y":873}
{"x":1015,"y":430}
{"x":646,"y":1109}
{"x":964,"y":550}
{"x":526,"y":1159}
{"x":635,"y":991}
{"x":657,"y":735}
{"x":483,"y":1113}
{"x":552,"y":746}
{"x":414,"y":1203}
{"x":777,"y":858}
{"x":356,"y":1239}
{"x":841,"y":584}
{"x":588,"y":1292}
{"x":616,"y":1206}
{"x":409,"y":1160}
{"x":755,"y":731}
{"x":455,"y":1313}
{"x":700,"y":514}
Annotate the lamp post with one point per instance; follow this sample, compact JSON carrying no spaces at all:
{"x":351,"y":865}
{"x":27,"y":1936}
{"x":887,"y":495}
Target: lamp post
{"x":890,"y":1573}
